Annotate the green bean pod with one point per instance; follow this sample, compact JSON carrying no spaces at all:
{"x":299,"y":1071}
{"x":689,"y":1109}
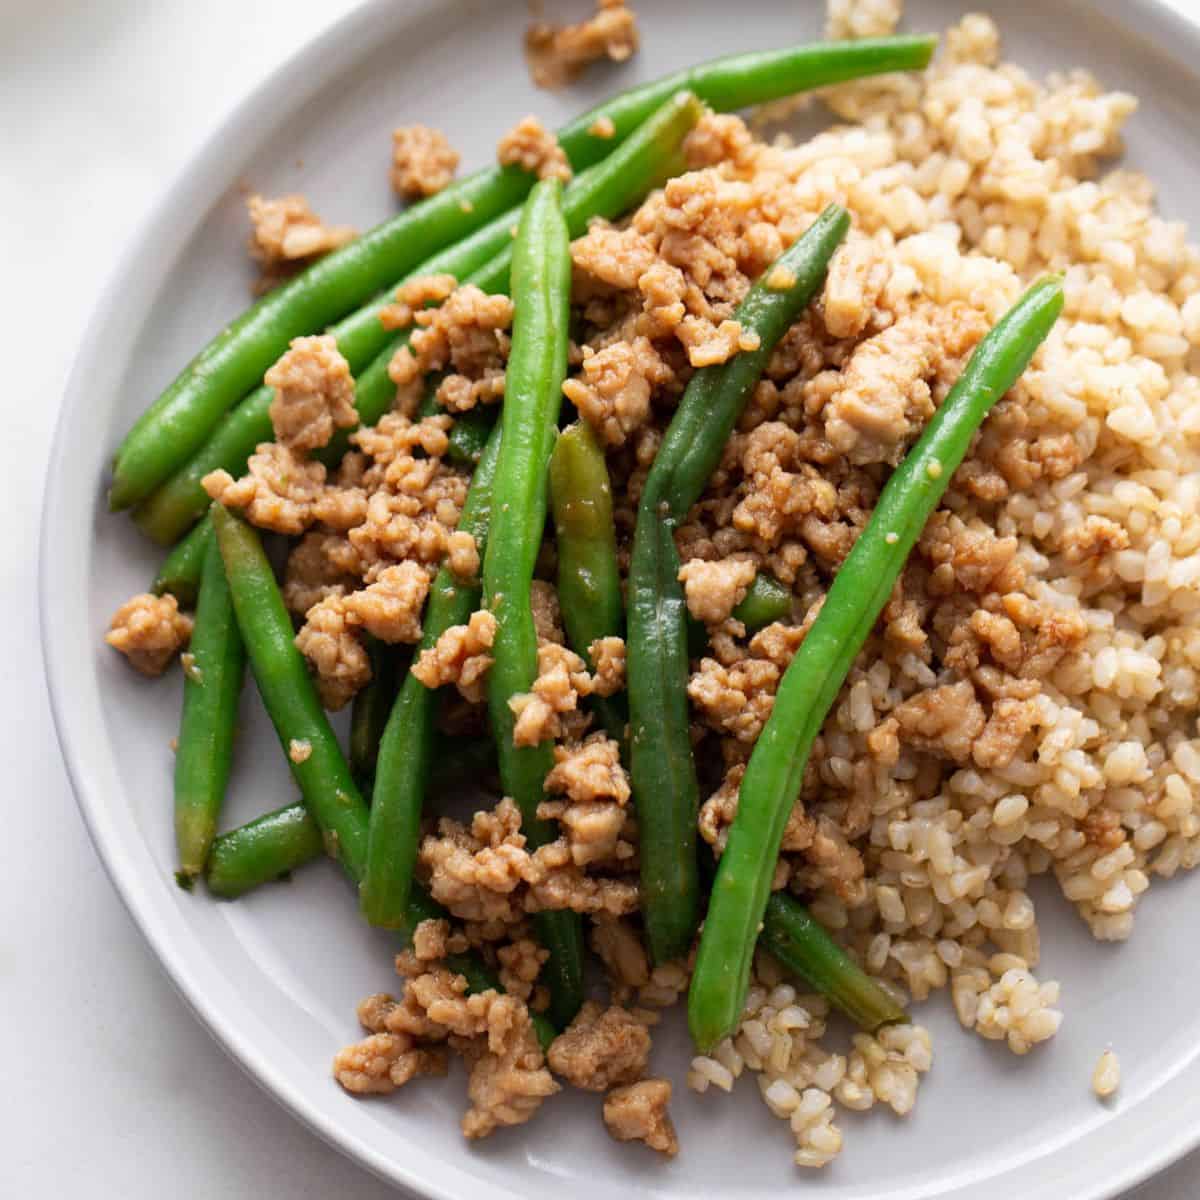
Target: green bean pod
{"x":289,"y":695}
{"x":181,"y":569}
{"x":212,"y":683}
{"x":802,"y":944}
{"x":177,"y":424}
{"x":166,"y":514}
{"x":406,"y":747}
{"x":766,"y":601}
{"x":236,"y":359}
{"x":262,"y":850}
{"x":274,"y":845}
{"x":813,"y":678}
{"x":589,"y":580}
{"x":664,"y":775}
{"x":537,"y":365}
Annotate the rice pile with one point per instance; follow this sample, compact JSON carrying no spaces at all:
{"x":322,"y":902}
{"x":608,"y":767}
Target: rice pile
{"x":980,"y":159}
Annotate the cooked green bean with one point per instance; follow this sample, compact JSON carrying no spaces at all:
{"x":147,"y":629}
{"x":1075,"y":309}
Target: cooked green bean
{"x":664,"y":775}
{"x":176,"y":425}
{"x":766,"y":601}
{"x":370,"y":708}
{"x":274,"y":845}
{"x":366,"y":346}
{"x":537,"y":365}
{"x":212,"y":683}
{"x":812,"y":681}
{"x":589,"y":580}
{"x":289,"y":696}
{"x":801,"y":944}
{"x":262,"y":850}
{"x":181,"y":569}
{"x":406,"y":748}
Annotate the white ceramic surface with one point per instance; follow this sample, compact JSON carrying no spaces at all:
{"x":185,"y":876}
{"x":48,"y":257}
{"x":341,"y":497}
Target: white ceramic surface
{"x":277,"y":975}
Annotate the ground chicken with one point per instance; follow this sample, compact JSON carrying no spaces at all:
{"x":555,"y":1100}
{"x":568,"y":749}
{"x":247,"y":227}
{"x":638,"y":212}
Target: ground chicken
{"x":532,"y":147}
{"x":520,"y":962}
{"x":608,"y":659}
{"x":613,"y":391}
{"x":601,"y":1048}
{"x":286,"y":494}
{"x":638,"y":1112}
{"x":412,"y":296}
{"x":384,"y":1062}
{"x":462,"y":556}
{"x":486,"y":873}
{"x":508,"y":1080}
{"x":737,"y":699}
{"x":597,"y":789}
{"x":561,"y":679}
{"x":556,"y":54}
{"x":619,"y":947}
{"x":882,"y":398}
{"x":333,"y":646}
{"x":465,"y":337}
{"x":390,"y":607}
{"x":714,"y":589}
{"x":423,"y":161}
{"x":944,"y":720}
{"x":314,"y":394}
{"x":287,"y":235}
{"x":460,"y":656}
{"x":149,"y":631}
{"x":321,"y":564}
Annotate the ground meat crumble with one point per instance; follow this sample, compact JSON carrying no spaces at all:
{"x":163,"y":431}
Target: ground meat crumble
{"x":532,"y":147}
{"x":557,"y":54}
{"x":423,"y":161}
{"x":314,"y":394}
{"x":149,"y":631}
{"x":638,"y":1112}
{"x":288,"y":235}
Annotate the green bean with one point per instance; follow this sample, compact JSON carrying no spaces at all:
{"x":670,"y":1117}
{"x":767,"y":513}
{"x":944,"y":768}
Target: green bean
{"x":211,"y":687}
{"x":268,"y":848}
{"x":664,"y":775}
{"x":289,"y":696}
{"x":766,"y":601}
{"x":537,"y":365}
{"x":181,"y":569}
{"x":366,"y":346}
{"x":276,"y":844}
{"x":237,"y":358}
{"x":280,"y":842}
{"x":813,"y":678}
{"x":179,"y":421}
{"x":589,"y":580}
{"x":406,"y":748}
{"x":369,"y":711}
{"x":802,"y":945}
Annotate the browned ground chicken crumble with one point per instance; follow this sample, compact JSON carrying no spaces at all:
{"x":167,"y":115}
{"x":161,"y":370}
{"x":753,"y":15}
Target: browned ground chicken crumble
{"x":532,"y":147}
{"x":423,"y":161}
{"x":558,"y":54}
{"x":286,"y":236}
{"x":1026,"y":703}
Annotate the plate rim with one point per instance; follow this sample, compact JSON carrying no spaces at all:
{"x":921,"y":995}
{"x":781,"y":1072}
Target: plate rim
{"x":298,"y":77}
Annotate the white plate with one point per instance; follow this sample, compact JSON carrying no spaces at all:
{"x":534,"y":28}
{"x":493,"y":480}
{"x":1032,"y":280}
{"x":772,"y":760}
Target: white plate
{"x":276,"y":976}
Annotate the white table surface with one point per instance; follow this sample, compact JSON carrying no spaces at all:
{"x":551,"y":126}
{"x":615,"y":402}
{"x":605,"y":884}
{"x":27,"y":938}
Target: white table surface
{"x":111,"y":1087}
